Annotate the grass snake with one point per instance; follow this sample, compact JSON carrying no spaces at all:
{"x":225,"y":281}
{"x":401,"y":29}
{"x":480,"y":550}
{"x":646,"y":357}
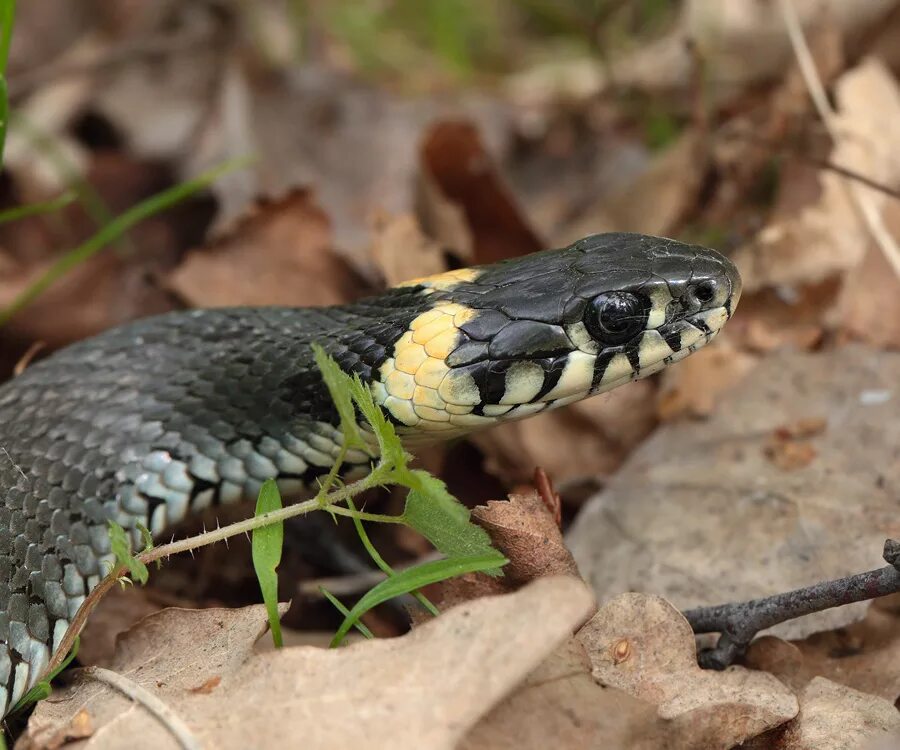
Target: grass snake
{"x":169,"y":415}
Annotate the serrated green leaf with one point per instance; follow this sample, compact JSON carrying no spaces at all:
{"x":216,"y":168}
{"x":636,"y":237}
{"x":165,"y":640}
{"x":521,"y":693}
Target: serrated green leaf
{"x":120,"y":545}
{"x":415,"y":578}
{"x":339,"y":385}
{"x":267,"y":543}
{"x":389,"y":445}
{"x":442,"y":519}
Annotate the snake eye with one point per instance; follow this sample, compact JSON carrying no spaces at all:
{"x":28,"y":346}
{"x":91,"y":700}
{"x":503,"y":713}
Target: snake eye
{"x":616,"y":317}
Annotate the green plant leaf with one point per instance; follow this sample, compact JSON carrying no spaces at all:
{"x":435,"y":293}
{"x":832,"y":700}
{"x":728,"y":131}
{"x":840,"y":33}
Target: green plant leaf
{"x":442,"y":519}
{"x":389,"y":445}
{"x":266,"y":547}
{"x":415,"y":578}
{"x":339,"y":385}
{"x":120,"y":544}
{"x":344,"y":611}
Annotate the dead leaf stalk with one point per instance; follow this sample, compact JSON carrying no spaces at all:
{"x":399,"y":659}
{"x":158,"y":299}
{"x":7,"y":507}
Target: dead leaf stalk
{"x":171,"y":720}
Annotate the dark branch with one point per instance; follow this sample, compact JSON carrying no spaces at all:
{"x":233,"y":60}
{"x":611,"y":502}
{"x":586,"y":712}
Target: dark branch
{"x":739,"y":622}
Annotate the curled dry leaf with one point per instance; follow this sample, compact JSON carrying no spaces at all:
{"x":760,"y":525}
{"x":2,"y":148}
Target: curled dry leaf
{"x":424,"y":689}
{"x":835,"y":717}
{"x":455,"y":160}
{"x":279,"y":254}
{"x":526,"y":532}
{"x":402,"y":251}
{"x":641,"y":644}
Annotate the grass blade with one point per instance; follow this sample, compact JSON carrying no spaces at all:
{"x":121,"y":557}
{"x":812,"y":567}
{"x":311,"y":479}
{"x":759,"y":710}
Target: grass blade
{"x":415,"y":578}
{"x":121,"y":224}
{"x":36,"y":209}
{"x":344,"y":611}
{"x":266,"y":545}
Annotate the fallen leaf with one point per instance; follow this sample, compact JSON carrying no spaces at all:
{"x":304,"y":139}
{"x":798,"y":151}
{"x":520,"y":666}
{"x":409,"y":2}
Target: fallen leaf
{"x":402,"y":251}
{"x":699,"y":515}
{"x":526,"y":532}
{"x":456,"y":161}
{"x":868,"y":307}
{"x":424,"y":689}
{"x":560,"y":705}
{"x":694,"y":387}
{"x":655,"y":200}
{"x":589,"y":438}
{"x":835,"y":717}
{"x":642,"y":645}
{"x":279,"y":254}
{"x":829,"y":236}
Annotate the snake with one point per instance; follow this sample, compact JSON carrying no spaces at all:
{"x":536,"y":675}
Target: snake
{"x":169,"y":415}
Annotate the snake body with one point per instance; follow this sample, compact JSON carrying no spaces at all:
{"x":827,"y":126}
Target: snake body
{"x":169,"y":415}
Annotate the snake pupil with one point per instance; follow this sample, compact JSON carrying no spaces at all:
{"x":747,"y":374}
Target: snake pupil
{"x":616,"y":317}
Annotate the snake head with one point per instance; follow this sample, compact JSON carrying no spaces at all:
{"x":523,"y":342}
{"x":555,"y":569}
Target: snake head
{"x":509,"y":340}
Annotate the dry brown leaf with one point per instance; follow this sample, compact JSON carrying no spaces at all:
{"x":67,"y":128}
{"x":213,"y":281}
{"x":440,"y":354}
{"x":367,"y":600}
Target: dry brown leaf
{"x":589,"y":438}
{"x":560,"y":705}
{"x":865,"y":655}
{"x":455,"y":160}
{"x":835,"y":717}
{"x":425,"y":689}
{"x":868,"y":308}
{"x":656,"y":200}
{"x":828,"y":236}
{"x":525,"y":531}
{"x":701,"y":516}
{"x":280,"y":254}
{"x":402,"y":252}
{"x":118,"y":610}
{"x":641,"y":644}
{"x":694,"y":387}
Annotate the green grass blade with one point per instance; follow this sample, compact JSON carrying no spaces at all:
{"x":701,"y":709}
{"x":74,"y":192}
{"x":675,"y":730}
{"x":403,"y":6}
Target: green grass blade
{"x":7,"y":19}
{"x":267,"y":544}
{"x":381,"y":562}
{"x":344,"y":611}
{"x":415,"y":578}
{"x":36,"y":209}
{"x":122,"y":223}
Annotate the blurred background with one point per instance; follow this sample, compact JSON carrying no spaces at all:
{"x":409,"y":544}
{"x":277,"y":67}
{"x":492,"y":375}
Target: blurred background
{"x":395,"y":138}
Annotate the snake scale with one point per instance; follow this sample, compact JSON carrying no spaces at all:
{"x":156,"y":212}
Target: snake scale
{"x":169,"y":415}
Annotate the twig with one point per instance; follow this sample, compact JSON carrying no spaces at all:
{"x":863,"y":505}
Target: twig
{"x":739,"y":622}
{"x":373,"y":479}
{"x":171,"y":720}
{"x":870,"y":215}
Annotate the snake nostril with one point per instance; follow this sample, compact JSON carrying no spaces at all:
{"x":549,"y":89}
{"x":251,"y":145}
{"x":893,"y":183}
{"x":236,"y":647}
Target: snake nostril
{"x":704,"y":292}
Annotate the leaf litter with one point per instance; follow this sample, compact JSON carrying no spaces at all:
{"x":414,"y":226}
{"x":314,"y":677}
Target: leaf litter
{"x":373,"y":186}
